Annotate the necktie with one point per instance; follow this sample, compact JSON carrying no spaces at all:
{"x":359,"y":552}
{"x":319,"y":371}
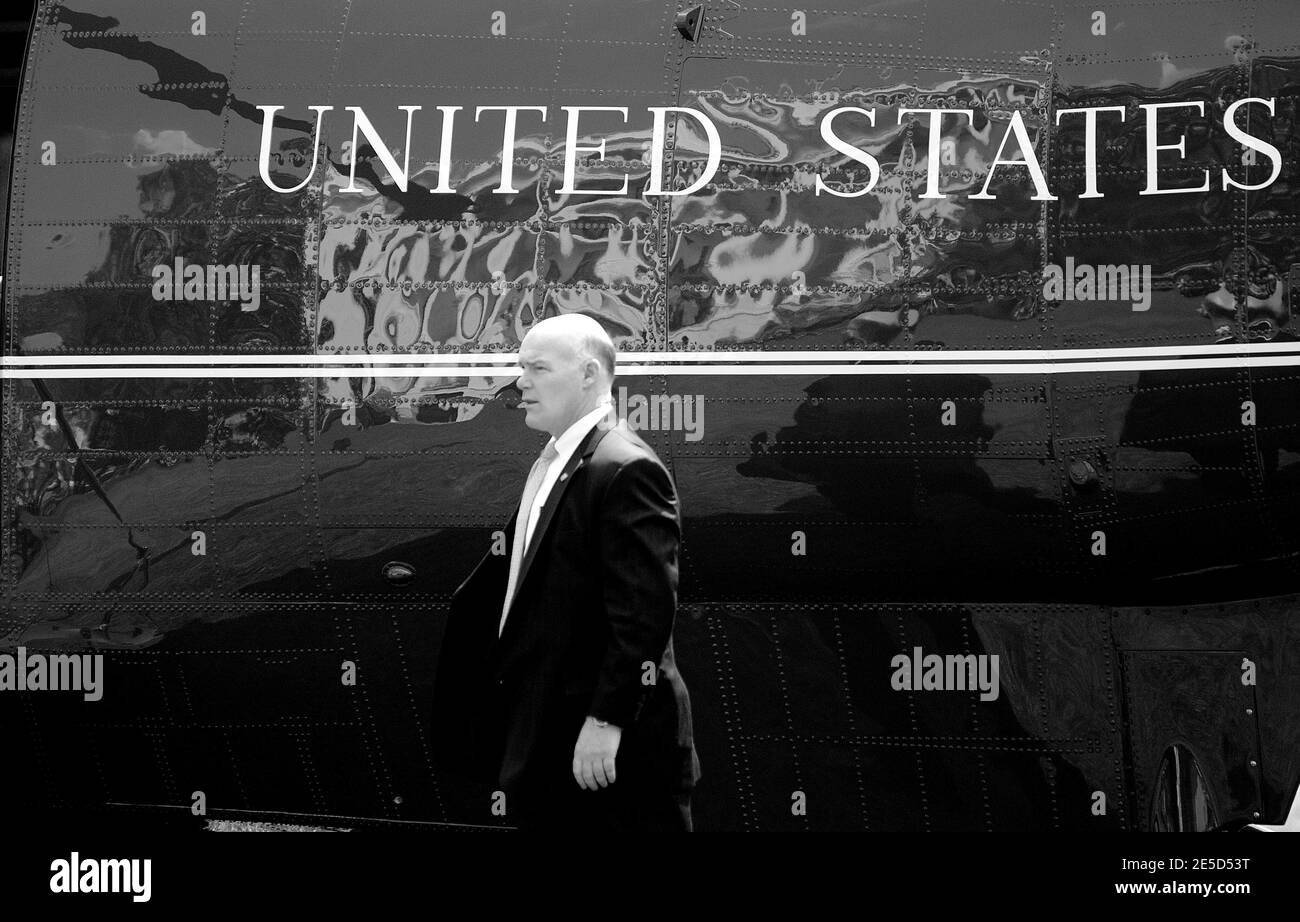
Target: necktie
{"x":534,"y":483}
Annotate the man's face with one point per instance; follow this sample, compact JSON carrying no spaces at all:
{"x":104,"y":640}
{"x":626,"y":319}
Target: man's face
{"x":550,"y":383}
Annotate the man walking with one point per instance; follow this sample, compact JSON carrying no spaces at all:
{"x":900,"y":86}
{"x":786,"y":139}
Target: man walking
{"x":557,"y":680}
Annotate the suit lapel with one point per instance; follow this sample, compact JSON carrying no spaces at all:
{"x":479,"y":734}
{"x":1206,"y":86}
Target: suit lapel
{"x":579,"y":457}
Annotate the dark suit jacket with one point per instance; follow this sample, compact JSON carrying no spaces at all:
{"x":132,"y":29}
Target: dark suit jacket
{"x":589,"y":632}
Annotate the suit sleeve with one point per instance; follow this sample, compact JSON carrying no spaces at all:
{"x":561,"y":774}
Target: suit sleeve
{"x":639,"y":536}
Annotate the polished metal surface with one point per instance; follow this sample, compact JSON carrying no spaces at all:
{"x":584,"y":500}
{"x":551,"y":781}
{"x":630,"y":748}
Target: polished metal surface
{"x":957,"y":512}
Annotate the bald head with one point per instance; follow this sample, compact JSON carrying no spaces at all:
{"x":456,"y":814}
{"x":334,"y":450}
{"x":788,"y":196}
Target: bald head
{"x":567,"y":367}
{"x":583,"y":336}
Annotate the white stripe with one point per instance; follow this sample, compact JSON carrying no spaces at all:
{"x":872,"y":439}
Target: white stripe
{"x":757,"y":356}
{"x":10,"y":361}
{"x":809,"y":369}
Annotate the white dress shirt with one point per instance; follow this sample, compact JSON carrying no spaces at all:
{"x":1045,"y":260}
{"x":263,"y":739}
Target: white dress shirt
{"x":564,"y":447}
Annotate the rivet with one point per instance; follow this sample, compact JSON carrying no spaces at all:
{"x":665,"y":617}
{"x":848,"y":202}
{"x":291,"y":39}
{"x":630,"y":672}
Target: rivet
{"x":1253,"y":763}
{"x":1249,"y":711}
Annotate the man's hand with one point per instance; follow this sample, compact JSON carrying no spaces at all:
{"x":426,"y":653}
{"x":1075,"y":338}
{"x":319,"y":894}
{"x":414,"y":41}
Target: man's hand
{"x":593,"y":755}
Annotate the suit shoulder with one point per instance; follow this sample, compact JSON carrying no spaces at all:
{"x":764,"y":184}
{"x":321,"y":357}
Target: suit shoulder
{"x":645,"y":475}
{"x":620,"y":446}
